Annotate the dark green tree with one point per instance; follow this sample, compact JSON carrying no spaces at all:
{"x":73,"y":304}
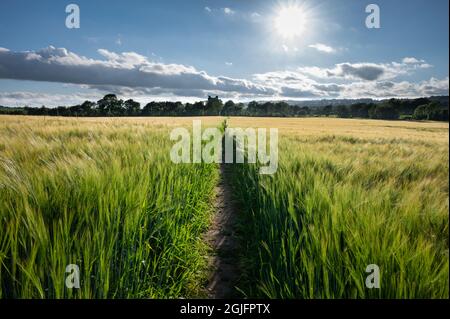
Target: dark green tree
{"x":386,"y":111}
{"x":109,"y":105}
{"x":213,"y":106}
{"x":132,"y":108}
{"x":342,"y":111}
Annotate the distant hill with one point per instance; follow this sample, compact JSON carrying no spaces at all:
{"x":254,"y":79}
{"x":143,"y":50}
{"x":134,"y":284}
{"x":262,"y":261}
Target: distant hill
{"x":443,"y":100}
{"x":324,"y":102}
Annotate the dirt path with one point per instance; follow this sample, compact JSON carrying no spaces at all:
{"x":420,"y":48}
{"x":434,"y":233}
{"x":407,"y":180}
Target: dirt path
{"x":222,"y":239}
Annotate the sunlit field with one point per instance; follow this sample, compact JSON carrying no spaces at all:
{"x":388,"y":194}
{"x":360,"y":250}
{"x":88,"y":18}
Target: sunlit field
{"x":347,"y":194}
{"x":103,"y":193}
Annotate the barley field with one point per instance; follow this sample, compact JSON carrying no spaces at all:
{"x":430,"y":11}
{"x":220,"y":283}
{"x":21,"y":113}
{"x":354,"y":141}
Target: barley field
{"x":347,"y":194}
{"x":102,"y":193}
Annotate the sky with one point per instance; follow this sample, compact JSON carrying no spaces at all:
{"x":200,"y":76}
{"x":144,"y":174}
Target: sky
{"x":185,"y":50}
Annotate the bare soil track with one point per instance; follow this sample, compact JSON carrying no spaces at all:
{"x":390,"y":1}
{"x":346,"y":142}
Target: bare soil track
{"x":223,"y":240}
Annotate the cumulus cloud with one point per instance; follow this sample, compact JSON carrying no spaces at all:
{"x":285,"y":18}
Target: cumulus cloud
{"x":410,"y":60}
{"x":405,"y":89}
{"x":434,"y":87}
{"x":295,"y":92}
{"x":132,"y":75}
{"x":354,"y":80}
{"x":228,"y":11}
{"x":37,"y":98}
{"x":127,"y":69}
{"x":329,"y":88}
{"x":366,"y":71}
{"x":322,"y":48}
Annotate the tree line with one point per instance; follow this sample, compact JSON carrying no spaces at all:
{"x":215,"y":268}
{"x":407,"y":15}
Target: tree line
{"x":110,"y":105}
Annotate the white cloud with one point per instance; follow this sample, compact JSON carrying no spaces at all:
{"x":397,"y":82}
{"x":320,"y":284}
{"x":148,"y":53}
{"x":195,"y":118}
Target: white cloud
{"x":126,"y":69}
{"x":322,"y":48}
{"x":411,"y":60}
{"x":255,"y":17}
{"x":292,"y":85}
{"x":228,"y":11}
{"x":37,"y":99}
{"x":109,"y":55}
{"x":365,"y":71}
{"x":424,"y":66}
{"x":208,"y":9}
{"x":390,"y":89}
{"x":350,"y":71}
{"x":355,"y":80}
{"x":434,"y":87}
{"x":130,"y":74}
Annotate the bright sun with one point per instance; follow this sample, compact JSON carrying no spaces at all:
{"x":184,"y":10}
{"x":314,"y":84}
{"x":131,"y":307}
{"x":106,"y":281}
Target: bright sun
{"x":290,"y":21}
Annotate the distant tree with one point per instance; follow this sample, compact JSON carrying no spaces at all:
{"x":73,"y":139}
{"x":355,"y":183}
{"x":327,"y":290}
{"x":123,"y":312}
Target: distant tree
{"x":200,"y":107}
{"x":362,"y":110}
{"x":188,"y":108}
{"x":74,"y":110}
{"x":42,"y":110}
{"x":228,"y":108}
{"x":431,"y":111}
{"x":170,"y":108}
{"x":87,"y":108}
{"x":302,"y":111}
{"x":151,"y":109}
{"x":62,"y":111}
{"x":179,"y":108}
{"x":267,"y":109}
{"x":109,"y":105}
{"x":231,"y":108}
{"x":132,"y":108}
{"x":434,"y":111}
{"x":327,"y":109}
{"x":213,"y":106}
{"x":443,"y":115}
{"x":394,"y":103}
{"x":238,"y":108}
{"x":435,"y":108}
{"x":386,"y":111}
{"x":253,"y":108}
{"x":12,"y":110}
{"x":421,"y":112}
{"x":281,"y":109}
{"x":342,"y":111}
{"x":417,"y":102}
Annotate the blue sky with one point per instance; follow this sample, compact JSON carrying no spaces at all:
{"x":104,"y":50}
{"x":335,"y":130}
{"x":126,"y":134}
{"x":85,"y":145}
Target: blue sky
{"x":243,"y":50}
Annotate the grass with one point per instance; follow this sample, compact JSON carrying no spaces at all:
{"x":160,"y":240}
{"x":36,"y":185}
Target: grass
{"x":102,"y":194}
{"x":347,"y":194}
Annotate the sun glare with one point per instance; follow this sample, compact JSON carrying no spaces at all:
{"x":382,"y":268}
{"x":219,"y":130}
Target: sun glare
{"x":291,"y":21}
